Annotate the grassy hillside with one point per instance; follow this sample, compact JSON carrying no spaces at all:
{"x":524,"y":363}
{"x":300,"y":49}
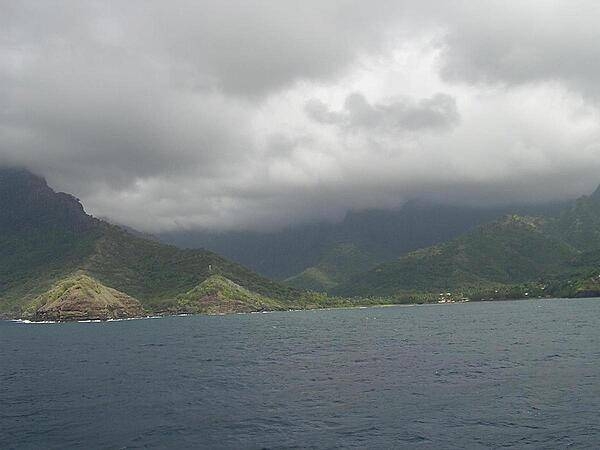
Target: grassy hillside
{"x":46,"y":237}
{"x":48,"y":241}
{"x":156,"y":273}
{"x":509,"y":251}
{"x":307,"y":255}
{"x":219,"y":295}
{"x":81,"y":297}
{"x":579,"y":225}
{"x":557,"y":255}
{"x":151,"y":272}
{"x":337,"y":265}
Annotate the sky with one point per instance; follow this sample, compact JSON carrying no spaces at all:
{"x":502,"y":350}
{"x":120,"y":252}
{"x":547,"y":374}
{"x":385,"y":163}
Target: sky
{"x":256,"y":114}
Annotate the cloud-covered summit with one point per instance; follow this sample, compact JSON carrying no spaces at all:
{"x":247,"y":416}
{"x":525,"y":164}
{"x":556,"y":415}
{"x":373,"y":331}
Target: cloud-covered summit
{"x":227,"y":114}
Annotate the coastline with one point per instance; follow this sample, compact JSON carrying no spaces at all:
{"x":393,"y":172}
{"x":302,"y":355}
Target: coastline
{"x":328,"y":308}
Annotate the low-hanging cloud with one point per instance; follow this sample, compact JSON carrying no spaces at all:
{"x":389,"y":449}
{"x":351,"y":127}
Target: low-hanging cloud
{"x":258,"y":114}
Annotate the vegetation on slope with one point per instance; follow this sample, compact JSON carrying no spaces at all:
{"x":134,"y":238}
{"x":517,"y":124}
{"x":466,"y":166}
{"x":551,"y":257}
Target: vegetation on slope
{"x":337,"y":265}
{"x":46,"y":236}
{"x":377,"y":235}
{"x":81,"y":297}
{"x":579,"y":225}
{"x":43,"y":237}
{"x":157,"y":273}
{"x":219,"y":295}
{"x":514,"y":257}
{"x":509,"y":251}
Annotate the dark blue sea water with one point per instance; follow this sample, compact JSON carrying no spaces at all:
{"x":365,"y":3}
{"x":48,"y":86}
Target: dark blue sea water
{"x":522,"y":374}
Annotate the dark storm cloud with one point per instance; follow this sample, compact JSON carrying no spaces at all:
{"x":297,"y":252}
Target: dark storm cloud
{"x":526,"y":42}
{"x":198,"y":113}
{"x":141,"y":88}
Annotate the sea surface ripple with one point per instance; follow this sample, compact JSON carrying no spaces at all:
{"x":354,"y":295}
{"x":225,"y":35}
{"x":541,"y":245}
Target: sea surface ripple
{"x":521,"y":374}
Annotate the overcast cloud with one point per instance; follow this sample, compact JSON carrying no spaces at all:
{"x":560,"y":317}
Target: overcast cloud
{"x":258,"y":114}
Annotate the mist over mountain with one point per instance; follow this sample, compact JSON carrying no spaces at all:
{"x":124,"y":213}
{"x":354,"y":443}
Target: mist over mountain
{"x":321,"y":255}
{"x":410,"y":189}
{"x":57,"y":262}
{"x":28,"y":203}
{"x":204,"y":115}
{"x":559,"y":254}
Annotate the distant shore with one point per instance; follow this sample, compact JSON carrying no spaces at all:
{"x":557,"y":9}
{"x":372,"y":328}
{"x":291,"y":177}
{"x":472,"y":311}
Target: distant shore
{"x":327,"y":308}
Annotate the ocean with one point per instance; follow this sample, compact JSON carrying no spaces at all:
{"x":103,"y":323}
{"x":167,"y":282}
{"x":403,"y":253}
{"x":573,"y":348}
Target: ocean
{"x":521,"y":374}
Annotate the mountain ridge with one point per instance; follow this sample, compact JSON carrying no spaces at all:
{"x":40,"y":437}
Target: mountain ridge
{"x":320,"y":256}
{"x":47,"y":237}
{"x":50,"y":245}
{"x":512,"y":250}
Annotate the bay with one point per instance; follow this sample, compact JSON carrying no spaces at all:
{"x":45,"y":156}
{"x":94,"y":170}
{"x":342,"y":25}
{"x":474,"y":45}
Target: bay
{"x":522,"y":374}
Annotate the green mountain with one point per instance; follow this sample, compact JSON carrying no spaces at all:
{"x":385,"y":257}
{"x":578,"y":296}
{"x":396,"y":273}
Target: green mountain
{"x":579,"y":224}
{"x":320,"y":256}
{"x":219,"y":295}
{"x":335,"y":266}
{"x":59,"y":263}
{"x":81,"y":297}
{"x":558,"y":255}
{"x":46,"y":238}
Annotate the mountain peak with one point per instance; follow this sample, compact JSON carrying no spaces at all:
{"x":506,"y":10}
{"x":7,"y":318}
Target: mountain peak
{"x":27,"y":202}
{"x":19,"y":178}
{"x":58,"y":263}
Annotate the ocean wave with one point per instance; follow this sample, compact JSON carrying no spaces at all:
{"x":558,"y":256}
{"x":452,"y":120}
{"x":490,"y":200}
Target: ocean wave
{"x":37,"y":322}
